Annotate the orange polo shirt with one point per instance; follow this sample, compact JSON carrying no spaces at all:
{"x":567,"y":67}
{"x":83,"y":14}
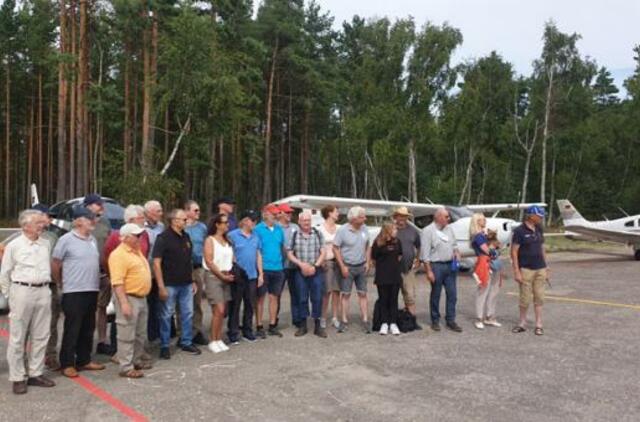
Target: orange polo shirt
{"x":129,"y":268}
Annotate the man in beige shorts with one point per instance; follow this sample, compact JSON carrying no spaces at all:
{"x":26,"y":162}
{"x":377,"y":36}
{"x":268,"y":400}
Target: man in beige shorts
{"x":530,"y":269}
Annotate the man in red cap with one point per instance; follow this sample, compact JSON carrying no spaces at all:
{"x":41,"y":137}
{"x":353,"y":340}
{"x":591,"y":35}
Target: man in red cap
{"x":284,"y":219}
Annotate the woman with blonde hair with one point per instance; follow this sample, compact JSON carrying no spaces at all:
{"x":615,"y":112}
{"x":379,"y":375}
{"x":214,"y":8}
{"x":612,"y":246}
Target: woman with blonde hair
{"x":488,"y":283}
{"x":387,"y":254}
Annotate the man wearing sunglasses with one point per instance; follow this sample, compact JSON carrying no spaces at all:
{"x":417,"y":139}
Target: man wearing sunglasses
{"x":172,"y":267}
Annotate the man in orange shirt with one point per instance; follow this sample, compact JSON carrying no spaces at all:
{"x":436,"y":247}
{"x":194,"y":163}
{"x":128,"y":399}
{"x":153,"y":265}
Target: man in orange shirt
{"x":131,"y":281}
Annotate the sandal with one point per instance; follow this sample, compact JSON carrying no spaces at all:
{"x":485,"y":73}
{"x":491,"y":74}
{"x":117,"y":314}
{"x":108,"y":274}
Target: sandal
{"x":539,"y":331}
{"x":132,"y":373}
{"x":518,"y":329}
{"x":143,"y":365}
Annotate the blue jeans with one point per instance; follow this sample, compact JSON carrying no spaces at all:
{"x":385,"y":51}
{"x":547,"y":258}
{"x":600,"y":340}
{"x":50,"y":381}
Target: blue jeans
{"x":183,"y":295}
{"x":447,"y":278}
{"x":309,"y":288}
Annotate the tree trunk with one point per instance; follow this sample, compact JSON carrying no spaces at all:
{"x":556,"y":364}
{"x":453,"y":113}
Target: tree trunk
{"x":30,"y":147}
{"x":7,"y":137}
{"x":304,"y":152}
{"x":40,"y":142}
{"x":266,"y":186}
{"x":49,"y":178}
{"x":413,"y":183}
{"x":545,"y":135}
{"x":72,"y":108}
{"x":126,"y":141}
{"x":61,"y":185}
{"x":466,"y":189}
{"x":83,"y":140}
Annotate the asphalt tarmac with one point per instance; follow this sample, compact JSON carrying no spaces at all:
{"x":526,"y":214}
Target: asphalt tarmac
{"x":584,"y":368}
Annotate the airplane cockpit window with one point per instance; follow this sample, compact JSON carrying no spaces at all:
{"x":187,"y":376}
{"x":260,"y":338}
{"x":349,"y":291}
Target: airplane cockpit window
{"x":629,"y":223}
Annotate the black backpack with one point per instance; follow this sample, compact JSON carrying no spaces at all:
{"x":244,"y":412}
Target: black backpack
{"x":406,"y":321}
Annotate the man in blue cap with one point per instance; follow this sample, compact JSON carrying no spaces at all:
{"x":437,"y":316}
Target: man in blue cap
{"x":530,"y":269}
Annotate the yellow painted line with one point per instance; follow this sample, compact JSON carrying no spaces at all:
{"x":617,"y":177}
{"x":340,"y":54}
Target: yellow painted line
{"x":586,"y":301}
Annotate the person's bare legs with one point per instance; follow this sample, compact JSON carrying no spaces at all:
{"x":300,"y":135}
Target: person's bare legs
{"x":335,"y":304}
{"x":346,"y":298}
{"x":325,"y":305}
{"x":523,"y":316}
{"x":364,"y":306}
{"x":259,"y":310}
{"x":538,"y":311}
{"x":217,"y":319}
{"x":273,"y":308}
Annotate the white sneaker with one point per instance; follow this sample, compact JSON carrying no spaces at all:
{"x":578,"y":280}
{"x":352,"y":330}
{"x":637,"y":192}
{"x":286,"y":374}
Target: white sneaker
{"x":223,"y":347}
{"x":479,"y":325}
{"x":395,"y":330}
{"x":335,"y":323}
{"x":214,"y":347}
{"x":492,"y":322}
{"x":384,"y":329}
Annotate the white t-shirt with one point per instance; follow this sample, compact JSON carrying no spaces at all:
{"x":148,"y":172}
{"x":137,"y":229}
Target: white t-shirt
{"x":222,"y":256}
{"x":328,"y":240}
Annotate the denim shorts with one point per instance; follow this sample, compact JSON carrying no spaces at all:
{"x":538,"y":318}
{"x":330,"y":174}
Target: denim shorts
{"x":273,"y":283}
{"x":356,"y":275}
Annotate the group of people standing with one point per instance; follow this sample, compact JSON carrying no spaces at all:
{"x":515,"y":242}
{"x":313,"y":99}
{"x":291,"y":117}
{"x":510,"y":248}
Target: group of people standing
{"x":158,"y":277}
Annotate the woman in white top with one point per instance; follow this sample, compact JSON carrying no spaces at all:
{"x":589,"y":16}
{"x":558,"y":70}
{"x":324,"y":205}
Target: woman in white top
{"x":217,"y":261}
{"x":332,"y":283}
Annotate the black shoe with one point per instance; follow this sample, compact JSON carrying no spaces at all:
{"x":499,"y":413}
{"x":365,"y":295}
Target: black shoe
{"x":234,"y":339}
{"x":273,"y":331}
{"x":302,"y":329}
{"x":191,"y":349}
{"x":248,"y":336}
{"x":319,"y":331}
{"x":261,"y":334}
{"x":454,"y":327}
{"x":435,"y":326}
{"x":40,"y":381}
{"x":164,"y":353}
{"x":200,"y":340}
{"x":19,"y":387}
{"x":104,"y":349}
{"x":416,"y":326}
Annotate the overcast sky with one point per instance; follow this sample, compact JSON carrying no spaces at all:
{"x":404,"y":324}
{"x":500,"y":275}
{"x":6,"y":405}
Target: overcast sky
{"x":609,"y":28}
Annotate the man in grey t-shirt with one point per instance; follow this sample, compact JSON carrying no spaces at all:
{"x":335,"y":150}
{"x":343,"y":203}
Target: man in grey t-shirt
{"x":76,"y":267}
{"x":409,"y":237}
{"x":352,"y":251}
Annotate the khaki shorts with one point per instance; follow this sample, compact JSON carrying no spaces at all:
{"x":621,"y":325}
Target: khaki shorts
{"x":409,"y":288}
{"x":104,"y":296}
{"x":216,"y":290}
{"x":331,"y":277}
{"x":532,"y":285}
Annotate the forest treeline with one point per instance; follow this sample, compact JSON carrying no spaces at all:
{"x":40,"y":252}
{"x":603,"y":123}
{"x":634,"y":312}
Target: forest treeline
{"x":176,"y":99}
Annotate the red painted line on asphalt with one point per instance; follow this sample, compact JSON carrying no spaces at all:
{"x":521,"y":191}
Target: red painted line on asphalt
{"x":97,"y":392}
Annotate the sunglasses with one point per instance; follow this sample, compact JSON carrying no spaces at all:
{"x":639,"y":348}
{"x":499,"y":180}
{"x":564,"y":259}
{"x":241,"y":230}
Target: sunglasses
{"x":181,"y":219}
{"x":223,"y":222}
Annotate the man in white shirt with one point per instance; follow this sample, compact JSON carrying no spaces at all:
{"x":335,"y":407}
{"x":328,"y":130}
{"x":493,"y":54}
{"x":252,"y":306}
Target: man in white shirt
{"x":25,"y":278}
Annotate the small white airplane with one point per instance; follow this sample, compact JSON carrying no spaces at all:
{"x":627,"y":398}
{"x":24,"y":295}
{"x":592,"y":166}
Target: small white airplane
{"x":621,"y":230}
{"x":460,"y":216}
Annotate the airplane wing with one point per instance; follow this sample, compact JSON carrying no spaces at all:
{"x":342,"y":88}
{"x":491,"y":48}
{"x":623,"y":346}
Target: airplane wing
{"x":374,"y":207}
{"x":502,"y":207}
{"x":606,"y":234}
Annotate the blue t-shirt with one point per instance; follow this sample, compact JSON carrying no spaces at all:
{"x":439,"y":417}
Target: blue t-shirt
{"x":530,"y":253}
{"x":478,"y":240}
{"x":245,"y":249}
{"x":198,"y":233}
{"x":271,"y":247}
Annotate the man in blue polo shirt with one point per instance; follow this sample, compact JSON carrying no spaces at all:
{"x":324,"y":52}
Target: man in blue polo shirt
{"x":272,"y":249}
{"x":197,"y":232}
{"x":246,"y":249}
{"x":530,"y":269}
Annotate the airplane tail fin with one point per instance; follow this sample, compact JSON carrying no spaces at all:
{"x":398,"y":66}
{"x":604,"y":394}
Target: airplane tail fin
{"x":569,"y":212}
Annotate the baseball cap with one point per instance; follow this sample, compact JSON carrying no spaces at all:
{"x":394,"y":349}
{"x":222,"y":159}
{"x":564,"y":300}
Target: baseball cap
{"x":535,"y":210}
{"x":80,"y":211}
{"x":271,"y":208}
{"x":285,"y":208}
{"x":250,"y":214}
{"x":92,"y":198}
{"x":130,"y":229}
{"x":40,"y":207}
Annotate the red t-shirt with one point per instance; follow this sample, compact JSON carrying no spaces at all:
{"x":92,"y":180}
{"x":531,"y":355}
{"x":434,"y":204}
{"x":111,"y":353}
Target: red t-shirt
{"x":113,"y":241}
